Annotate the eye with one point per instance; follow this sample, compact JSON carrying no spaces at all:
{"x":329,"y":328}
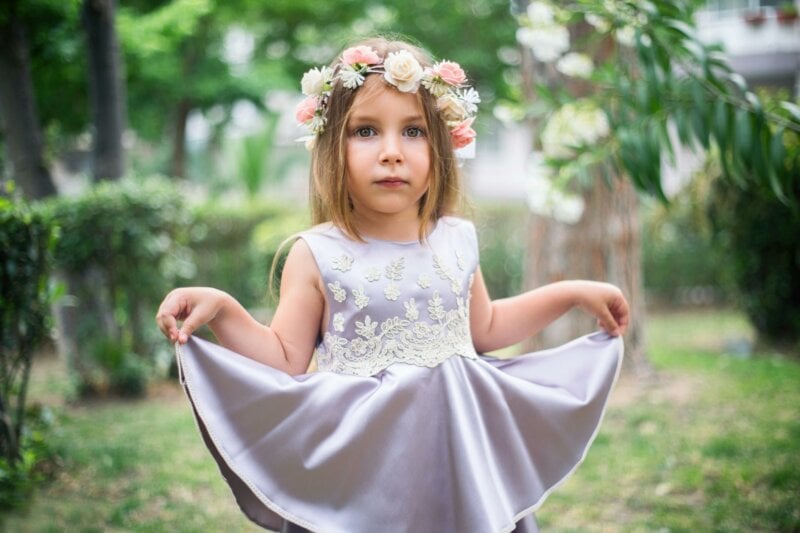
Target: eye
{"x":415,"y":132}
{"x":364,"y":131}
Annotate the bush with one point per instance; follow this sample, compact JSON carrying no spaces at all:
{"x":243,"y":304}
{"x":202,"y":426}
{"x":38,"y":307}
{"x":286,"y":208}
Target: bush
{"x":502,"y":237}
{"x":122,"y":248}
{"x":26,"y":241}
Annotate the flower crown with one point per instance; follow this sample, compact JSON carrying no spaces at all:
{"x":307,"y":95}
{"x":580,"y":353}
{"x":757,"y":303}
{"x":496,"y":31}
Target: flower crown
{"x":445,"y":80}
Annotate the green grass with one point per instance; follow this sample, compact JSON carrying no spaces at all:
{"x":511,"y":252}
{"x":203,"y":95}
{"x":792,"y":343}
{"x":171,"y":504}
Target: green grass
{"x":710,"y":443}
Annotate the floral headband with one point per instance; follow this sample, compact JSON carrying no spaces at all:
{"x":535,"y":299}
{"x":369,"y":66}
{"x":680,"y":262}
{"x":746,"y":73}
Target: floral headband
{"x":445,"y":80}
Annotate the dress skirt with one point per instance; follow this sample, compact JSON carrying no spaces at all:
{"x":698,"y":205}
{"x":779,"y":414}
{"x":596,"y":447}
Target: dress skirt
{"x":471,"y":445}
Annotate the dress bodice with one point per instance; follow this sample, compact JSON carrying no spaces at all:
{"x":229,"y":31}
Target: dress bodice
{"x":395,"y":302}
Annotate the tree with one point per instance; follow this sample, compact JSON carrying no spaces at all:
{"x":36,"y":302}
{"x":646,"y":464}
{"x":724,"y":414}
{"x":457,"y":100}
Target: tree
{"x":18,"y":113}
{"x":106,"y":88}
{"x":604,"y":111}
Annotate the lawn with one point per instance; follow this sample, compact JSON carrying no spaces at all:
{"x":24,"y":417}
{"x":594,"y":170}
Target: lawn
{"x":710,"y":443}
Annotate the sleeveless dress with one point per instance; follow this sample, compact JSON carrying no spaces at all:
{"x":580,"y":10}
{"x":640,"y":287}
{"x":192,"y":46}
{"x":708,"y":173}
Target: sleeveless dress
{"x":404,"y":427}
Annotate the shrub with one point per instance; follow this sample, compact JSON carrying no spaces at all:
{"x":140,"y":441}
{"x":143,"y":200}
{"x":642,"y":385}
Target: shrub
{"x":502,"y":235}
{"x":26,"y":241}
{"x":122,"y":248}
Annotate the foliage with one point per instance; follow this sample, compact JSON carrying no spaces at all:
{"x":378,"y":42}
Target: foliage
{"x":238,"y":243}
{"x":26,"y":241}
{"x":122,"y":247}
{"x":647,"y":69}
{"x":760,"y":237}
{"x":501,"y":235}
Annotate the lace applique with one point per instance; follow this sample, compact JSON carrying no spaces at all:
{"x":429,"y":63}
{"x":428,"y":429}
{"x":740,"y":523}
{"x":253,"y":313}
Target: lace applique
{"x":362,"y":300}
{"x":424,"y":281}
{"x":339,"y":294}
{"x":391,"y":292}
{"x":394,"y":271}
{"x":460,"y":261}
{"x":412,"y":312}
{"x":444,"y":273}
{"x":343,"y":263}
{"x":338,"y":322}
{"x":400,"y":340}
{"x":373,"y":274}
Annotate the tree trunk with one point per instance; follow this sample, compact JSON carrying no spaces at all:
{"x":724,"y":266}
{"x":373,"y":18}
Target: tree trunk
{"x":179,"y":139}
{"x":18,"y":109}
{"x":604,"y":245}
{"x":106,"y":88}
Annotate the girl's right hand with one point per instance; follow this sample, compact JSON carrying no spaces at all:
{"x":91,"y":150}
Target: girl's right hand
{"x":194,"y":306}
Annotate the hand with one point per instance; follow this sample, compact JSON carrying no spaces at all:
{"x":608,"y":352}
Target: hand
{"x":195,"y":306}
{"x":607,"y":303}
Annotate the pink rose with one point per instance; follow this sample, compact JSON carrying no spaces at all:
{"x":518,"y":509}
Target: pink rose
{"x":306,"y":109}
{"x":361,"y":54}
{"x":462,"y":134}
{"x":450,"y":72}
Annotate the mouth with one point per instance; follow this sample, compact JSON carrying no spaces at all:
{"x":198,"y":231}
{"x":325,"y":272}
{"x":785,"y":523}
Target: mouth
{"x":391,"y":182}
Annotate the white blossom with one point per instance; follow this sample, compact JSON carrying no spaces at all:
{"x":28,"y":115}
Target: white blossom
{"x":403,"y":71}
{"x":579,"y":123}
{"x":547,"y":43}
{"x":350,"y":77}
{"x":626,"y":36}
{"x":575,"y":65}
{"x":540,"y":13}
{"x":546,"y":199}
{"x":598,"y":22}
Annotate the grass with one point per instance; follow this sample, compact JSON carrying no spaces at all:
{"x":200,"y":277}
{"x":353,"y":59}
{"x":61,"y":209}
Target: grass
{"x":710,"y":443}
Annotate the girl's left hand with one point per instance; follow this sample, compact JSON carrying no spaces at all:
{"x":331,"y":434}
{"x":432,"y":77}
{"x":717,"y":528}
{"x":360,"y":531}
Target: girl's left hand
{"x":607,"y":303}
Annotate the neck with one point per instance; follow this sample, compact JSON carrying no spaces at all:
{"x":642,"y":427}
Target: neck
{"x":390,"y":228}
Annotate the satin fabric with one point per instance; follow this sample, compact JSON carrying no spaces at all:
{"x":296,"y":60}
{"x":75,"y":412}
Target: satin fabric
{"x":472,"y":445}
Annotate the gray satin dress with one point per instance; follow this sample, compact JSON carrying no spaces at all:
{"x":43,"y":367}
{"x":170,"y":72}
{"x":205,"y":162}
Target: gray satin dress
{"x":404,"y":427}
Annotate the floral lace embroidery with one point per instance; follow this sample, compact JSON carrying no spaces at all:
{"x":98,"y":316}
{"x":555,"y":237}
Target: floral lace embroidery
{"x":400,"y":340}
{"x":444,"y":273}
{"x":343,"y":263}
{"x":391,"y":292}
{"x":338,"y":322}
{"x":424,"y":281}
{"x":394,"y":271}
{"x":460,"y":260}
{"x":362,"y":300}
{"x":373,"y":274}
{"x":339,"y":294}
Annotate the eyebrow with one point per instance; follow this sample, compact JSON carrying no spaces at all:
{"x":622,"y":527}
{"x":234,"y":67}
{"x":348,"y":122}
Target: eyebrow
{"x":373,"y":118}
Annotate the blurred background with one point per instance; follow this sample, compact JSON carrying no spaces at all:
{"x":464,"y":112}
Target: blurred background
{"x":653,"y":144}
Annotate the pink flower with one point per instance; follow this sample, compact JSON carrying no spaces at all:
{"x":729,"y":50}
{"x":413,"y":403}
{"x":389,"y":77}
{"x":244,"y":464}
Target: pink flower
{"x":450,"y":72}
{"x":361,"y":54}
{"x":462,"y":134}
{"x":306,"y":109}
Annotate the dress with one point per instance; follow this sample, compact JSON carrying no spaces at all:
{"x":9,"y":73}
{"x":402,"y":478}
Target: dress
{"x":404,"y":427}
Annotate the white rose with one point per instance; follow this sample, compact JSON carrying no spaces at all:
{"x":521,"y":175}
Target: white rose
{"x":451,"y":108}
{"x":575,"y":65}
{"x":403,"y":71}
{"x":313,"y":82}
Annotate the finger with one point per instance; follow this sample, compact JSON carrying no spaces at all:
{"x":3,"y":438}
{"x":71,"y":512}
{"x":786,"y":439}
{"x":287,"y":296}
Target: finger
{"x":607,"y":322}
{"x":187,"y":328}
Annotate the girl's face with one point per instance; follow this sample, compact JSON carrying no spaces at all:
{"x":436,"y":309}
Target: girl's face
{"x":388,"y":155}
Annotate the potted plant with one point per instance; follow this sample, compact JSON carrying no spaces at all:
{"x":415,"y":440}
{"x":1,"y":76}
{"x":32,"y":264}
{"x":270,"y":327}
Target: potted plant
{"x":755,"y":17}
{"x":787,"y":12}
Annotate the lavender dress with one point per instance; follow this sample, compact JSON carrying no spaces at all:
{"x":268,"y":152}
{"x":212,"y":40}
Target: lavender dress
{"x":404,"y":428}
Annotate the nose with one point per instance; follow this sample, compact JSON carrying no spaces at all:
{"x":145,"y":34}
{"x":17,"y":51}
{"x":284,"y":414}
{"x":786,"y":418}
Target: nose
{"x":391,"y":150}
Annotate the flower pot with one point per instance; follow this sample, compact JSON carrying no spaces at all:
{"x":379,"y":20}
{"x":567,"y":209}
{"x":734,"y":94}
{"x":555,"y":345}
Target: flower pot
{"x":786,"y":16}
{"x":755,"y":18}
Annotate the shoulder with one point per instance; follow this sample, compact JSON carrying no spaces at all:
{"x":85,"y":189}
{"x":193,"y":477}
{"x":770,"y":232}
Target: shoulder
{"x":459,"y":226}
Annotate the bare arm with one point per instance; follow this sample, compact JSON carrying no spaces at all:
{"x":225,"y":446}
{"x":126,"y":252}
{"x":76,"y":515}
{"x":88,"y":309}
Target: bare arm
{"x":287,"y":344}
{"x":500,"y":323}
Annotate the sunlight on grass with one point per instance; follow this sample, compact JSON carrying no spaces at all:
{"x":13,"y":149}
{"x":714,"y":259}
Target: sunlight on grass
{"x":711,"y":443}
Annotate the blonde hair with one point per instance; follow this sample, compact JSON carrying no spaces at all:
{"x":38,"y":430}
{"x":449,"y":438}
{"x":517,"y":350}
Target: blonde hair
{"x":328,"y":194}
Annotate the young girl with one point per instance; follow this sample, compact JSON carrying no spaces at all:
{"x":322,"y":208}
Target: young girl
{"x":406,"y":426}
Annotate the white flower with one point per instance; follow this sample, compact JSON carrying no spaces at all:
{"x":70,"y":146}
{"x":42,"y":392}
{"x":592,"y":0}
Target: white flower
{"x":451,"y":107}
{"x":338,"y":322}
{"x":362,"y":300}
{"x":470,"y":99}
{"x":315,"y":80}
{"x":391,"y":292}
{"x":540,"y":13}
{"x":575,"y":65}
{"x":343,"y":263}
{"x":424,"y":281}
{"x":373,"y":274}
{"x":339,"y":294}
{"x":403,"y":71}
{"x":412,"y":312}
{"x":579,"y":123}
{"x":599,"y":23}
{"x":351,"y":78}
{"x":317,"y":124}
{"x":547,"y":43}
{"x":547,"y":200}
{"x":626,"y":36}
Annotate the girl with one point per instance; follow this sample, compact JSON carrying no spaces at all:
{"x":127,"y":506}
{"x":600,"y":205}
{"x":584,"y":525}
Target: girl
{"x":406,"y":427}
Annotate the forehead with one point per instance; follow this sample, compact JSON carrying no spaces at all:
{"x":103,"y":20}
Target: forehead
{"x":377,"y":96}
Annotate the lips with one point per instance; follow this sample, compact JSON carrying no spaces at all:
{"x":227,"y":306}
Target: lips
{"x":391,"y":182}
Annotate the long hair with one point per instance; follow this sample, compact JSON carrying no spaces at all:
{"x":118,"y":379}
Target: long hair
{"x":329,"y":197}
